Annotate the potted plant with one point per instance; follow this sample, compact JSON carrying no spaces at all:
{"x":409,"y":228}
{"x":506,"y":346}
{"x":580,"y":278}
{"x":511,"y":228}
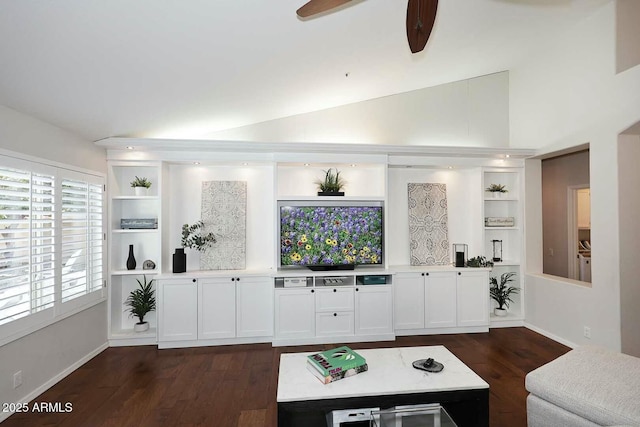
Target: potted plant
{"x":141,"y":186}
{"x":140,"y":302}
{"x":479,"y":261}
{"x":501,"y":293}
{"x":332,"y":184}
{"x":193,"y":238}
{"x":497,"y":189}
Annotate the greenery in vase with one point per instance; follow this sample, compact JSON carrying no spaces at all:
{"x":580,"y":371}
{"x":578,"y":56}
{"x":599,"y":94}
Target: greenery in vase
{"x":141,"y":182}
{"x":497,"y":188}
{"x":501,"y":293}
{"x":332,"y":182}
{"x":142,"y":300}
{"x":193,"y":238}
{"x":479,"y":261}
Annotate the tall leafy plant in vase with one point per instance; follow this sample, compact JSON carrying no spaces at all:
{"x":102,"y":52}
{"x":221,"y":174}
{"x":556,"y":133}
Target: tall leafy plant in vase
{"x":331,"y":184}
{"x":193,"y":237}
{"x":141,"y":301}
{"x":501,"y":292}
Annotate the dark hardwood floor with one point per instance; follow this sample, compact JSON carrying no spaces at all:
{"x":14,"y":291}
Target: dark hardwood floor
{"x":236,"y":385}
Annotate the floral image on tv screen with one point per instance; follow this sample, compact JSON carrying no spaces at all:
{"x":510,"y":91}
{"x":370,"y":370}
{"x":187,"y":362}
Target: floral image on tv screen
{"x":330,"y":235}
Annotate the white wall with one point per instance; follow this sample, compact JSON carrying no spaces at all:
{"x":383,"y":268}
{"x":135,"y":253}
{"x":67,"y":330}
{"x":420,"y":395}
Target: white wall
{"x":47,"y":355}
{"x":629,"y":180}
{"x":186,"y":202}
{"x":26,"y":135}
{"x":567,"y":96}
{"x":472,"y":112}
{"x":627,"y":34}
{"x":464,"y":203}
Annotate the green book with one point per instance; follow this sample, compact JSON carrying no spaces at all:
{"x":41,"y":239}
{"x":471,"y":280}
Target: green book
{"x":336,"y":360}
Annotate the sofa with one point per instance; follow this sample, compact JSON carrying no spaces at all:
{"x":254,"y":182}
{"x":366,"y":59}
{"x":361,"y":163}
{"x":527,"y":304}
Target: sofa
{"x":588,"y":386}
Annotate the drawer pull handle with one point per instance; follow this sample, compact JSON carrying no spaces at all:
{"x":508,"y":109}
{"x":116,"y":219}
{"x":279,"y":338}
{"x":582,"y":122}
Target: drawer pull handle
{"x":312,"y":290}
{"x":335,"y":290}
{"x":459,"y":273}
{"x":335,"y":314}
{"x":194,"y":280}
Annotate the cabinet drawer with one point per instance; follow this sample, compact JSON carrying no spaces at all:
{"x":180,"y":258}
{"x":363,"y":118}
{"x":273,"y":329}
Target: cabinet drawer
{"x":334,"y":323}
{"x":334,"y":299}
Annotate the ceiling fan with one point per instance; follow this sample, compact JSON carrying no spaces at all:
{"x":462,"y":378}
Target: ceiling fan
{"x":421,"y":15}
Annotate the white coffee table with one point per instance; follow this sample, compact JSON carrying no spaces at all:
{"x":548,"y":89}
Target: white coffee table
{"x":390,"y":381}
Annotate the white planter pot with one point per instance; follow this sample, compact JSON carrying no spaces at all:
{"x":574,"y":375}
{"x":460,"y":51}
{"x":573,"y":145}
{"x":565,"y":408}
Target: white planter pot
{"x":501,"y":312}
{"x":141,"y":327}
{"x":497,"y":194}
{"x":141,"y":191}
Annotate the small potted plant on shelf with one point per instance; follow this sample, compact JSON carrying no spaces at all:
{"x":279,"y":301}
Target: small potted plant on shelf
{"x":141,"y":186}
{"x":479,"y":262}
{"x":140,"y":302}
{"x":332,"y":184}
{"x":497,"y":190}
{"x":193,"y":237}
{"x":501,"y":293}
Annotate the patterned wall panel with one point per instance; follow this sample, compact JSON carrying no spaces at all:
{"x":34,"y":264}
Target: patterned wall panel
{"x":428,"y":225}
{"x":224,"y":212}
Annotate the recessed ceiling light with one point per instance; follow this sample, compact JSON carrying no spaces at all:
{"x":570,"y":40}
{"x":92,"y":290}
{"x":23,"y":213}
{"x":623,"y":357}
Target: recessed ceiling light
{"x":245,"y":164}
{"x":450,"y":167}
{"x":129,"y":147}
{"x":196,"y":163}
{"x":353,"y":165}
{"x":507,"y":156}
{"x":306,"y":164}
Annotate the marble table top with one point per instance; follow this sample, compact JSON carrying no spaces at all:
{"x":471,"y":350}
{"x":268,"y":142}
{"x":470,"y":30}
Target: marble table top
{"x":390,"y":372}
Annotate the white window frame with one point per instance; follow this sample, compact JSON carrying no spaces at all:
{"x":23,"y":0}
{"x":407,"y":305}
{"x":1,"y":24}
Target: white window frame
{"x":20,"y":327}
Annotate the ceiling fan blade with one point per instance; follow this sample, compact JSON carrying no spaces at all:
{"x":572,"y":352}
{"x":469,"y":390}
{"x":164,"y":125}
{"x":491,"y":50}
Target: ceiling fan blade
{"x":421,"y":15}
{"x":313,"y":7}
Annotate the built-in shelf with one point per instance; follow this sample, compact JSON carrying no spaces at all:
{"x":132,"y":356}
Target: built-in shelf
{"x":503,"y":199}
{"x":506,"y":263}
{"x":331,"y":198}
{"x":135,"y":198}
{"x":130,"y":333}
{"x":135,"y":231}
{"x":502,"y":228}
{"x":133,"y":272}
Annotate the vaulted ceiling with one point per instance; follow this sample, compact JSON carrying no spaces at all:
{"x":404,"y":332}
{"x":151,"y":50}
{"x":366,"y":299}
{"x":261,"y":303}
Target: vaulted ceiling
{"x":188,"y":68}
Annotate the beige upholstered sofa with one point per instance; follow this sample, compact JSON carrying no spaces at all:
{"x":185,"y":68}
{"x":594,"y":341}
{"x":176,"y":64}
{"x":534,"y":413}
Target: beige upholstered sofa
{"x":588,"y":386}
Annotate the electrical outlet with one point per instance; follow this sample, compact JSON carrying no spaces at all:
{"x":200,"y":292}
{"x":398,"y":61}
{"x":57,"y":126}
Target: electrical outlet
{"x":550,"y":251}
{"x":587,"y":332}
{"x":17,"y":379}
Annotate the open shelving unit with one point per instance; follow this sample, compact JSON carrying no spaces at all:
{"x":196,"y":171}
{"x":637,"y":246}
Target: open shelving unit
{"x":507,"y":205}
{"x":123,"y":203}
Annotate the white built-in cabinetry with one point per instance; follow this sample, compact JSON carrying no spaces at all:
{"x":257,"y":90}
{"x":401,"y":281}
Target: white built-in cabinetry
{"x":506,"y":205}
{"x":441,"y":300}
{"x":124,"y":204}
{"x":214,"y":310}
{"x":217,"y":308}
{"x":326,"y":311}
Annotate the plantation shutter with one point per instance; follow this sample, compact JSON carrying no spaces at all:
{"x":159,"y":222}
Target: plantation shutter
{"x":27,"y":243}
{"x":95,"y":237}
{"x":43,"y":236}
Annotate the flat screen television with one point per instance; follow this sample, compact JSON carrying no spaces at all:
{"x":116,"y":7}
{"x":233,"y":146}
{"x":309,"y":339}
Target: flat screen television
{"x":331,"y":235}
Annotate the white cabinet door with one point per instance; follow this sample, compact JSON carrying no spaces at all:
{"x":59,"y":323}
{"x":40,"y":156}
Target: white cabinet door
{"x":440,"y":299}
{"x":295,"y":313}
{"x":216,"y":308}
{"x":374,"y":310}
{"x":177,"y":310}
{"x":473,"y":298}
{"x":408,"y":301}
{"x":334,"y":324}
{"x":254,"y":306}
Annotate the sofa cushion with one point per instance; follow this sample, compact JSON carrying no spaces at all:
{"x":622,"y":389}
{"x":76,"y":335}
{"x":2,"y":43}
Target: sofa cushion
{"x":592,"y":382}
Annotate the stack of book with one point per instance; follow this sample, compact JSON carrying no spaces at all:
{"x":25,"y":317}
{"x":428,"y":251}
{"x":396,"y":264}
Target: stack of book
{"x":336,"y":364}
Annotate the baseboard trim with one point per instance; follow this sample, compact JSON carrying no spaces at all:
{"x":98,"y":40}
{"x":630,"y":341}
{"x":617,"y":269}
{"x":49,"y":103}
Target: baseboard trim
{"x":550,"y":335}
{"x":56,"y":379}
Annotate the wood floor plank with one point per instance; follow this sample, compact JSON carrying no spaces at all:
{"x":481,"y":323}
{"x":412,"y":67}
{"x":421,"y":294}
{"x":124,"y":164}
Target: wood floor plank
{"x":237,"y":385}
